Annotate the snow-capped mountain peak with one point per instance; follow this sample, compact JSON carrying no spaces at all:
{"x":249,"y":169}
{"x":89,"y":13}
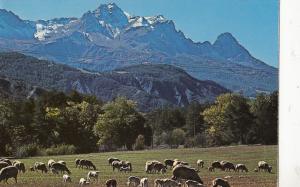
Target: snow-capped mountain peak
{"x":111,"y":14}
{"x":107,"y":38}
{"x":138,"y":21}
{"x":156,"y":19}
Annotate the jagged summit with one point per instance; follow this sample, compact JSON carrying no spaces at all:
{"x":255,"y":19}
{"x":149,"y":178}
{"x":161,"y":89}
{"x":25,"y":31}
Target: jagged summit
{"x":108,"y":38}
{"x":111,"y":14}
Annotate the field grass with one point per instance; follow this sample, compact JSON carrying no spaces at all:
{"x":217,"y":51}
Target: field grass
{"x":249,"y":155}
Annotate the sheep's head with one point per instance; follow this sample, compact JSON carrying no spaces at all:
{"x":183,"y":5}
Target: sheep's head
{"x":270,"y":169}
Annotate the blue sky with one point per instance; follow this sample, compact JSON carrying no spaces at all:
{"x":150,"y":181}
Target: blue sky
{"x":253,"y":22}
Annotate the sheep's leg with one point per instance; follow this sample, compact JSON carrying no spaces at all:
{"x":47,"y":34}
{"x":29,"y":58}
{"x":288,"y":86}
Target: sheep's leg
{"x":16,"y":180}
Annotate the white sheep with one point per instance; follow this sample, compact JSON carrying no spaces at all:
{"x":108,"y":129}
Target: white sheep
{"x":83,"y":182}
{"x":144,"y":182}
{"x":93,"y":175}
{"x":66,"y":178}
{"x":200,"y":163}
{"x":50,"y":162}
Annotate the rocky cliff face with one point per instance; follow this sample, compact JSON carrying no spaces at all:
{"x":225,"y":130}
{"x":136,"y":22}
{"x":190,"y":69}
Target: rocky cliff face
{"x":150,"y":85}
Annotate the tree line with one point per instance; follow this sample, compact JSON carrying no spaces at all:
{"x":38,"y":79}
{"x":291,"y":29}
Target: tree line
{"x":59,"y":123}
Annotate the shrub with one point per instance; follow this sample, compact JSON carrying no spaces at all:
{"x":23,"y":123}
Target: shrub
{"x":62,"y":149}
{"x":178,"y":136}
{"x":189,"y":142}
{"x":139,"y":142}
{"x":27,"y":150}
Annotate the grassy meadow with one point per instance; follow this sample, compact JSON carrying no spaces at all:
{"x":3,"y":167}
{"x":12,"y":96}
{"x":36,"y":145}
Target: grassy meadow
{"x":248,"y":155}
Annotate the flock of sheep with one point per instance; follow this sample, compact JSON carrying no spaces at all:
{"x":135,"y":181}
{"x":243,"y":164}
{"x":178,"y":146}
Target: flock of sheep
{"x":183,"y":173}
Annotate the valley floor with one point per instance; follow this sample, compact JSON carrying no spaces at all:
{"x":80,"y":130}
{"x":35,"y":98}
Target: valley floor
{"x":248,"y":155}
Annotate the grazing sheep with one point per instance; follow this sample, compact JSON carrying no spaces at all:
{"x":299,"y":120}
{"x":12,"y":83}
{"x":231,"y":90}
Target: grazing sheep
{"x":9,"y":172}
{"x":191,"y":183}
{"x":216,"y":164}
{"x":6,"y":160}
{"x":210,"y":168}
{"x":62,"y":162}
{"x":31,"y":168}
{"x":127,"y":164}
{"x":20,"y":166}
{"x":159,"y":167}
{"x":111,"y":159}
{"x":40,"y":166}
{"x":149,"y":166}
{"x":228,"y":166}
{"x":54,"y":171}
{"x":50,"y":162}
{"x":87,"y":163}
{"x":200,"y":163}
{"x":66,"y":178}
{"x":223,"y":162}
{"x":186,"y":173}
{"x":241,"y":167}
{"x":144,"y":182}
{"x":60,"y":167}
{"x":220,"y":182}
{"x":93,"y":175}
{"x":3,"y":164}
{"x":111,"y":183}
{"x":116,"y":165}
{"x":169,"y":162}
{"x":124,"y":169}
{"x":262,"y":165}
{"x":133,"y":181}
{"x":83,"y":182}
{"x":77,"y":162}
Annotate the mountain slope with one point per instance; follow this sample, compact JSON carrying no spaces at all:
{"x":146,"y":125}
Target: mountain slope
{"x":17,"y":89}
{"x":109,"y":38}
{"x":142,"y":83}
